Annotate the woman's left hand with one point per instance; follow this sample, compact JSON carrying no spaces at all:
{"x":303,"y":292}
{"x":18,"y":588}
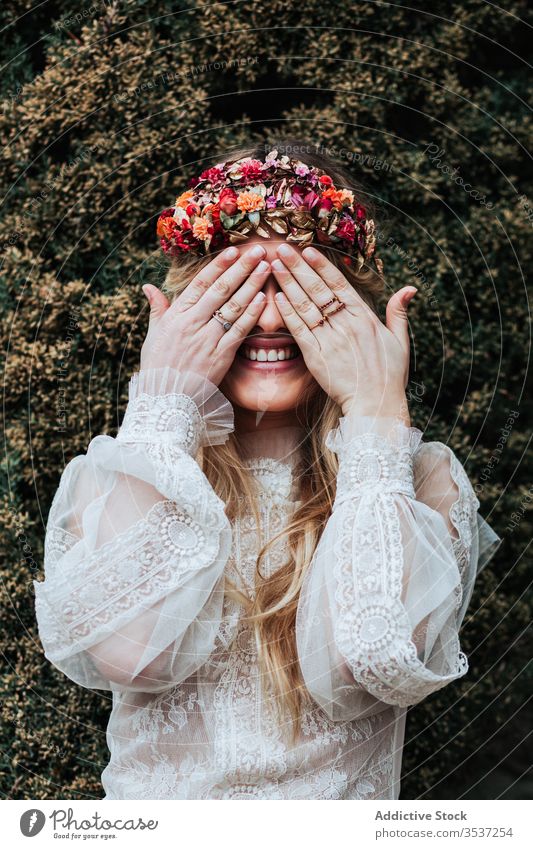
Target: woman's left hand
{"x":360,"y":362}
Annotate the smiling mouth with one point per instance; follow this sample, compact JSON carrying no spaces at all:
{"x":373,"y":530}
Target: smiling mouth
{"x":269,"y":355}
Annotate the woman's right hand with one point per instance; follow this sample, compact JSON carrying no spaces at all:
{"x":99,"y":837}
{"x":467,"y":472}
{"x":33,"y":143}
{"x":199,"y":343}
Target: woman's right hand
{"x":185,"y":336}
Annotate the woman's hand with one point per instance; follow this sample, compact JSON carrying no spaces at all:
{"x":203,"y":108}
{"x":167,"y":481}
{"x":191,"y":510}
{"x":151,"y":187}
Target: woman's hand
{"x":360,"y":362}
{"x":185,"y":336}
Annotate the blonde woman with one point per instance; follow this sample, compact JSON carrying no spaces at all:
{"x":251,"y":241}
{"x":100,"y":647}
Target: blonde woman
{"x":268,"y":564}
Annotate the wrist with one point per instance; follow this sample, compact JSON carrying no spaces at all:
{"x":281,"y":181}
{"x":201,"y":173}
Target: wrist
{"x":396,"y":408}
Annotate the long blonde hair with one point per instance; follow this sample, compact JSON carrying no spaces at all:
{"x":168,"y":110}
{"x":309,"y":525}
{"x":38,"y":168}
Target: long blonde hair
{"x":272,"y":611}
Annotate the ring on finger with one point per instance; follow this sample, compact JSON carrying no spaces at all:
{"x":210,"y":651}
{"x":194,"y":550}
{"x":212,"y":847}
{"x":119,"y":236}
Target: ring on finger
{"x":223,"y":321}
{"x":325,"y":315}
{"x":337,"y":309}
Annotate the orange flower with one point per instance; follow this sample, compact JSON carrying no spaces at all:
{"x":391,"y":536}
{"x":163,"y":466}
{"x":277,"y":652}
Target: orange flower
{"x":165,"y":227}
{"x":347,"y":197}
{"x":338,"y":197}
{"x":250,"y":201}
{"x":200,"y":228}
{"x":183,"y":200}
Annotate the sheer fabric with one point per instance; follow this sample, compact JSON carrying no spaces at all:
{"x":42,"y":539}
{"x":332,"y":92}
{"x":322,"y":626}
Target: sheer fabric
{"x":138,"y":547}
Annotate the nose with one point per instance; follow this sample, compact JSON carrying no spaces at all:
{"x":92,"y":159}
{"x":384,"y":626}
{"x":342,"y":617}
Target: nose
{"x":270,"y":320}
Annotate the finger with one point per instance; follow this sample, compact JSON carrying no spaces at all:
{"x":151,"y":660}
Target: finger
{"x":396,"y":315}
{"x":334,"y":278}
{"x":158,"y":302}
{"x":298,"y":328}
{"x":242,"y":326}
{"x":236,"y":305}
{"x":299,"y":300}
{"x":204,"y":279}
{"x":222,"y":289}
{"x":311,"y":282}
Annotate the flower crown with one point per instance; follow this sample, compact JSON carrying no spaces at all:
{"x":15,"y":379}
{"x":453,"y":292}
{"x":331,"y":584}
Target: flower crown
{"x":234,"y":200}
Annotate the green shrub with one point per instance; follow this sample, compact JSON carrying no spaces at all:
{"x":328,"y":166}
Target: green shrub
{"x":103,"y":118}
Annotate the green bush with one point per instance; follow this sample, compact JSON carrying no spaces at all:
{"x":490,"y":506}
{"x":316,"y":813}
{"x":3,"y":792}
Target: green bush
{"x":107,"y":109}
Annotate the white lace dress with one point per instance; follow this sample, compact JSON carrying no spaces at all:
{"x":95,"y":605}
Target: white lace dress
{"x":137,"y":549}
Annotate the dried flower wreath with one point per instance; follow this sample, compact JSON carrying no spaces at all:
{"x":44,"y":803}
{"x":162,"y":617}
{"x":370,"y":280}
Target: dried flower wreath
{"x":232,"y":201}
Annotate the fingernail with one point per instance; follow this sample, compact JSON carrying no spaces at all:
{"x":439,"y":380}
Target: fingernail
{"x":285,"y":251}
{"x":280,"y":297}
{"x":260,"y":296}
{"x":277,"y":265}
{"x":257,"y":251}
{"x":312,"y":253}
{"x":230,"y":253}
{"x":263,"y":266}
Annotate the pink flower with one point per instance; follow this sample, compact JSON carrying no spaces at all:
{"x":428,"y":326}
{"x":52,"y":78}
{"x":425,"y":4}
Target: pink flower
{"x":271,"y":202}
{"x":297,"y":195}
{"x":302,"y":169}
{"x":301,"y":196}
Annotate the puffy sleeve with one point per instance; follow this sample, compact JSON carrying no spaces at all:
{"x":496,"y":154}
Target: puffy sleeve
{"x":136,"y":543}
{"x":385,"y":595}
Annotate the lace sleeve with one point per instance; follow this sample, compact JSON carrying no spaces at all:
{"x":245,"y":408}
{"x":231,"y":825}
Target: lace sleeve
{"x":136,"y":543}
{"x":385,"y":595}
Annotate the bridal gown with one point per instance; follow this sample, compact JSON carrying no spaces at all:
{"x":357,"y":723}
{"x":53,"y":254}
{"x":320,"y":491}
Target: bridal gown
{"x":137,"y":549}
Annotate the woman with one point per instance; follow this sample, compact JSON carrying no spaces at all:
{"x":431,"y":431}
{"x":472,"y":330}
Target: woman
{"x":267,"y":565}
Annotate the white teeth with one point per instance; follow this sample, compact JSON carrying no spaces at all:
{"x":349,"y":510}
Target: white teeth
{"x":270,"y":355}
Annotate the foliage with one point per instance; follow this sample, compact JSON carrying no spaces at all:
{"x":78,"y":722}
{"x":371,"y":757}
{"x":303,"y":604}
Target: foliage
{"x":107,"y":109}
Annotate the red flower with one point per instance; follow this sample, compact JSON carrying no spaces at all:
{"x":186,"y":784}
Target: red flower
{"x":227,"y":201}
{"x":360,"y":213}
{"x":215,"y":216}
{"x":252,"y":171}
{"x":324,"y":205}
{"x":325,"y":180}
{"x":183,"y":240}
{"x":192,"y":209}
{"x":212,"y":175}
{"x":346,"y":229}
